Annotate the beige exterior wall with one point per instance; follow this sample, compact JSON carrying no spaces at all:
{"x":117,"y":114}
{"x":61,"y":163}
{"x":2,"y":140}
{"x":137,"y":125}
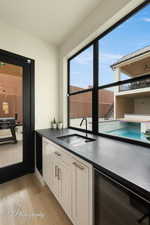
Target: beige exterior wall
{"x":125,"y":105}
{"x":142,"y":105}
{"x":122,"y":106}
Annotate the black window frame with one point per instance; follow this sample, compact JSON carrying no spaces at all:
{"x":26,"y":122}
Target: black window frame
{"x":96,"y":87}
{"x":80,"y":91}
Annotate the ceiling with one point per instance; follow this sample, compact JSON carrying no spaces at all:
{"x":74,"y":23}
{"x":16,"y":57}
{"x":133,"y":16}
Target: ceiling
{"x":49,"y":20}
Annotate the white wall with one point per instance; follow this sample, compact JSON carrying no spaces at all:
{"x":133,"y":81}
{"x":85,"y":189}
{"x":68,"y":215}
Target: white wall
{"x":104,"y":16}
{"x":46,"y":64}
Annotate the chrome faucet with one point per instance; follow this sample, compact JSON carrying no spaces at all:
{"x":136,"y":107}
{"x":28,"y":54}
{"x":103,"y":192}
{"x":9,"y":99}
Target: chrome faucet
{"x":84,"y":118}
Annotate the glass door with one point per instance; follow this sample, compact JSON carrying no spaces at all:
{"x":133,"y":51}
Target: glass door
{"x":11,"y":114}
{"x":16,"y":115}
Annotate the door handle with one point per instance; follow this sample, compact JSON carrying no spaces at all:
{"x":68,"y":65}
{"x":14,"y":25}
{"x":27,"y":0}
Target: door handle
{"x":78,"y":165}
{"x":57,"y":153}
{"x":56,"y":171}
{"x":59,"y":173}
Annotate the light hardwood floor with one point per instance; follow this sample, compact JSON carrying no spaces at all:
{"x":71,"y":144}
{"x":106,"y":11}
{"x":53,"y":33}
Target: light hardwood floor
{"x":24,"y":201}
{"x":11,"y":153}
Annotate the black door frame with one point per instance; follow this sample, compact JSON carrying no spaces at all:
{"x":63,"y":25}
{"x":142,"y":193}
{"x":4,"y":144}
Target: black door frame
{"x":27,"y":166}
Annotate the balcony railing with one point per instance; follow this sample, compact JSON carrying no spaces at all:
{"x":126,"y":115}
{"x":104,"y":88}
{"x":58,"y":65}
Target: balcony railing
{"x":135,"y":85}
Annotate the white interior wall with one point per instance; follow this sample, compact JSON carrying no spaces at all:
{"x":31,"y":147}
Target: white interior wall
{"x":46,"y":69}
{"x":107,"y":14}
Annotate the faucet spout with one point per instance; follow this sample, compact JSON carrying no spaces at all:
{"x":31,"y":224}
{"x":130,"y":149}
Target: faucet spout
{"x":82,"y":121}
{"x":84,"y":118}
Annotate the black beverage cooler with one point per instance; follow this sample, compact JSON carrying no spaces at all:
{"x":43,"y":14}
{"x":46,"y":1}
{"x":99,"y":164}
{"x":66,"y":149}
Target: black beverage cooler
{"x":117,"y":205}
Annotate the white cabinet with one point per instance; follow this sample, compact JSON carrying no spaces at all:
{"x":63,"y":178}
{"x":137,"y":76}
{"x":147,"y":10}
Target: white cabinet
{"x":46,"y":163}
{"x":53,"y":178}
{"x":82,"y":193}
{"x":64,"y":186}
{"x":71,"y":181}
{"x":57,"y":174}
{"x":60,"y":183}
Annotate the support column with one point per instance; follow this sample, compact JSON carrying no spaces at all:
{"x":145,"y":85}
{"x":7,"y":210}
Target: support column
{"x":116,"y":90}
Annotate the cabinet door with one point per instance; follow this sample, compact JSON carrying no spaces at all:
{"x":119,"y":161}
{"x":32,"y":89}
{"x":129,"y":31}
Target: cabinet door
{"x":45,"y":152}
{"x":54,"y":176}
{"x":65,"y":186}
{"x":82,"y":204}
{"x":48,"y":164}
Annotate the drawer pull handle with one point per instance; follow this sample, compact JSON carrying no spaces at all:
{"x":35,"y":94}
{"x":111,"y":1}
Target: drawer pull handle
{"x":78,"y":165}
{"x":57,"y":153}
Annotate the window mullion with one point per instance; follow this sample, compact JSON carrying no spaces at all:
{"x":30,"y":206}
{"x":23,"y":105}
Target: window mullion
{"x":95,"y":88}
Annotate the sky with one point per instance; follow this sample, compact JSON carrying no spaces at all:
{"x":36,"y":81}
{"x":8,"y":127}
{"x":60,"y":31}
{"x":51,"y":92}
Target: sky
{"x":128,"y":37}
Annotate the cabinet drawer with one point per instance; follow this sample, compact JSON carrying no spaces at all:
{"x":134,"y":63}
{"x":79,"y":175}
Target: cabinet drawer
{"x":63,"y":156}
{"x":59,"y":152}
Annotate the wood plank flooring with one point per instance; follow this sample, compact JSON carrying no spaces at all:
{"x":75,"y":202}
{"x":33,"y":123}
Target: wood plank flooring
{"x":24,"y":201}
{"x":11,"y":153}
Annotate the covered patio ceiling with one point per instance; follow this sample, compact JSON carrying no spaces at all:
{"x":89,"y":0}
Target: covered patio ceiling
{"x":137,"y":68}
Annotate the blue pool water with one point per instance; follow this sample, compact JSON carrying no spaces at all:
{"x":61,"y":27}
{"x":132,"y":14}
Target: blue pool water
{"x":129,"y":132}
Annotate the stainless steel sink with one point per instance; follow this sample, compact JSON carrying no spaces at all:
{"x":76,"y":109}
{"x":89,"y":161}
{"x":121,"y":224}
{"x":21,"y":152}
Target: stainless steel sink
{"x":75,"y":139}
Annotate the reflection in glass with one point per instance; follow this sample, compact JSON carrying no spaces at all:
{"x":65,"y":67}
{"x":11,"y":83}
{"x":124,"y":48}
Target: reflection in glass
{"x":11,"y":115}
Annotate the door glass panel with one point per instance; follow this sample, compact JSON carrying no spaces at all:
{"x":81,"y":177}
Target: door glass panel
{"x":11,"y":114}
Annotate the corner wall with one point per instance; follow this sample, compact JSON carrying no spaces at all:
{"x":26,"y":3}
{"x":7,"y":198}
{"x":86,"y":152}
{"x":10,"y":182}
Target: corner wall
{"x":46,"y":70}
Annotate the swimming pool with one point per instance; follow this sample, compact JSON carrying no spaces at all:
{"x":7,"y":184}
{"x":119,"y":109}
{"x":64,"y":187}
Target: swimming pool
{"x":129,"y":132}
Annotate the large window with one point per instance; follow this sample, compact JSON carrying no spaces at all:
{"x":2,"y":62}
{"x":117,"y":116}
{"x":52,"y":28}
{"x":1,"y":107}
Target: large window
{"x":109,"y":82}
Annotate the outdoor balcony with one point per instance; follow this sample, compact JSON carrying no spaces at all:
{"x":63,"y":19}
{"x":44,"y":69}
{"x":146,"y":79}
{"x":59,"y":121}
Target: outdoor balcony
{"x":135,"y":85}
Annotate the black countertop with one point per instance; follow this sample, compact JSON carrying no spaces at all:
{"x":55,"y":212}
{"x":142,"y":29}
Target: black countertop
{"x":127,"y":163}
